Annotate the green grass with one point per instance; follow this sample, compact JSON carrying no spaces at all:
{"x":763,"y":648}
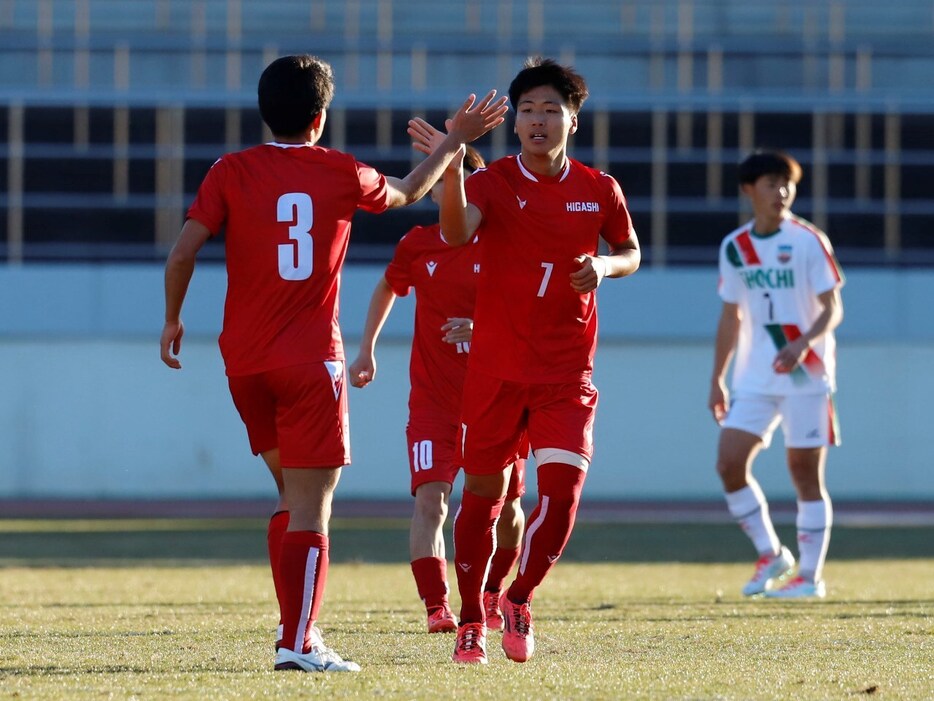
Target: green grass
{"x":185,"y":609}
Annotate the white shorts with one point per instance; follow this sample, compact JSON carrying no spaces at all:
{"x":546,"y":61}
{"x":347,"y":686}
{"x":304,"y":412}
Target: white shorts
{"x":808,"y":420}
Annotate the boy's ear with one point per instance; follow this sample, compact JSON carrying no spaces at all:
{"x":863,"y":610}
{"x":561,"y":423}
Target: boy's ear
{"x":318,"y":121}
{"x":746,"y":188}
{"x":573,"y":124}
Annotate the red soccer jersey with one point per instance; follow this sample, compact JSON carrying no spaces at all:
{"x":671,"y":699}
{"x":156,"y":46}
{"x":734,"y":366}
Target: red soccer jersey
{"x":445,"y":281}
{"x":530,"y":326}
{"x":287,"y":212}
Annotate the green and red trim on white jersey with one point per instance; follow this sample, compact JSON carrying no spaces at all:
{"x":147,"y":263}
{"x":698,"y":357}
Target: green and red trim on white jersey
{"x":782,"y":335}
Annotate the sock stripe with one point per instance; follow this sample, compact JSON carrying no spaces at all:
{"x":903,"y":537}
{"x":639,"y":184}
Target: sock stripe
{"x":748,"y":513}
{"x":308,"y":590}
{"x":530,"y":534}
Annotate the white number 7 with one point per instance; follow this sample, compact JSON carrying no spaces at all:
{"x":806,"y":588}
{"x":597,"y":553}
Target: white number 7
{"x":545,"y":278}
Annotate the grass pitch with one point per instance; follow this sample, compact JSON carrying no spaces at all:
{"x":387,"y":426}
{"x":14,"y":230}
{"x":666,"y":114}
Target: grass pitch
{"x":176,"y":609}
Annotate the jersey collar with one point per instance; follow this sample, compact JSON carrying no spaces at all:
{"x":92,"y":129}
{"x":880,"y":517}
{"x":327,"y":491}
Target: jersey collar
{"x":535,"y":178}
{"x":281,"y":145}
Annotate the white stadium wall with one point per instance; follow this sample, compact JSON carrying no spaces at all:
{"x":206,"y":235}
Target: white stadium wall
{"x":87,"y":410}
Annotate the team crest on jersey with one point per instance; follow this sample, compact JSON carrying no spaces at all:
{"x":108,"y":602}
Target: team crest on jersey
{"x":784,"y":253}
{"x":431,"y":265}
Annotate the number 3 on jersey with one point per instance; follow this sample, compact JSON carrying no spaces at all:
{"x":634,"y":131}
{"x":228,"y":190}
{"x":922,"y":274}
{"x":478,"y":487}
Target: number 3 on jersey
{"x":295,"y":258}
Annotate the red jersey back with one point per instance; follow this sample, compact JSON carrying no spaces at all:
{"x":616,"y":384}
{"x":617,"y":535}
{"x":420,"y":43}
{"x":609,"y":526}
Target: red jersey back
{"x":445,"y":282}
{"x":530,"y":326}
{"x":287,"y":213}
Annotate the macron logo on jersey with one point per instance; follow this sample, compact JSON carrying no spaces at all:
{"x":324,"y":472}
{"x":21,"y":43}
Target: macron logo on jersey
{"x":522,"y":202}
{"x":431,"y":265}
{"x":583,"y":206}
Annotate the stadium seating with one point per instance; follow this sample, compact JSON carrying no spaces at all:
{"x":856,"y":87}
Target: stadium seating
{"x":111,"y":111}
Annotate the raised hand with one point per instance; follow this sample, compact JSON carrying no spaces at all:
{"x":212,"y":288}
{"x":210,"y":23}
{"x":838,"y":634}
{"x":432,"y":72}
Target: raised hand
{"x":470,"y":122}
{"x":425,"y":138}
{"x":474,"y":119}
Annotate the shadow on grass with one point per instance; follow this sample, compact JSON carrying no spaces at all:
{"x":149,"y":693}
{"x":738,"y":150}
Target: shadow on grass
{"x":236,"y":541}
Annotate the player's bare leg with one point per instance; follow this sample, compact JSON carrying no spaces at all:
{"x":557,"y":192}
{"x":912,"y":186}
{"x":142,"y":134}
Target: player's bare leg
{"x":426,"y":550}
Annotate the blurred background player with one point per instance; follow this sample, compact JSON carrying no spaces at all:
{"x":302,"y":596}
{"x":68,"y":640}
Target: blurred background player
{"x":780,"y":284}
{"x":286,"y":208}
{"x":540,"y":217}
{"x":444,"y":278}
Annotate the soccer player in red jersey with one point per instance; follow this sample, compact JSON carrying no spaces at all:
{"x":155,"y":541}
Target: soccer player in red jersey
{"x":286,"y":207}
{"x":540,"y":216}
{"x":444,"y":279}
{"x":780,"y":285}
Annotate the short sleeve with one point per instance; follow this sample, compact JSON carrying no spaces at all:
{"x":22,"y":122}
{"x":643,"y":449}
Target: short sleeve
{"x":477,"y":189}
{"x":824,"y":271}
{"x":374,"y":189}
{"x":727,"y":282}
{"x":399,"y":271}
{"x":617,"y":227}
{"x":210,"y":205}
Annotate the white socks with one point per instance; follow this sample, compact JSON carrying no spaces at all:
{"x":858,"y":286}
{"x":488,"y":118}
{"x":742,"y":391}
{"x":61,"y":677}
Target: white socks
{"x":813,"y":522}
{"x":750,"y":510}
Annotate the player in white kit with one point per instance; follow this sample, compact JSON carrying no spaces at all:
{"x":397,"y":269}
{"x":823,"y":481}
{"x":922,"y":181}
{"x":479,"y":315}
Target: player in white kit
{"x":780,"y":285}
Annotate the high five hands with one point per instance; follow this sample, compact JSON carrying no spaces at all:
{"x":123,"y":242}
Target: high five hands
{"x":470,"y":122}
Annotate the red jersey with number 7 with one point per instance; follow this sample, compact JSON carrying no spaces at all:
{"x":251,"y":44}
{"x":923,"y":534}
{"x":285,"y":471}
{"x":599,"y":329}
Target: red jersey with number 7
{"x":286,"y":213}
{"x":530,"y":325}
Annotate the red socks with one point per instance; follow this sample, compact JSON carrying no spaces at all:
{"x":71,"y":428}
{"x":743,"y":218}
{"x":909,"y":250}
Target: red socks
{"x":474,"y":527}
{"x":278,"y":525}
{"x":431,"y":580}
{"x":549,"y":527}
{"x":503,"y":561}
{"x":303,"y":570}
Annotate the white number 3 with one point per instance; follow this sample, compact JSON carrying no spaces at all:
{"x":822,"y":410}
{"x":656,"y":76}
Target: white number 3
{"x":295,"y":259}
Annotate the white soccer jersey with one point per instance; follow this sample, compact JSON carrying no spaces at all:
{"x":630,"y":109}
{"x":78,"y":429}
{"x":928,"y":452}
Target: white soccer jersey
{"x":775,"y":280}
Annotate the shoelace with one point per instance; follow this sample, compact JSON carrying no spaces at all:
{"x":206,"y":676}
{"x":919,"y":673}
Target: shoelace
{"x":492,"y":606}
{"x":470,"y":639}
{"x":522,"y":619}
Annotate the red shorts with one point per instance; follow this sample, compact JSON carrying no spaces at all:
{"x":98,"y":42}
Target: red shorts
{"x":433,"y":456}
{"x":300,"y":409}
{"x":498,"y":416}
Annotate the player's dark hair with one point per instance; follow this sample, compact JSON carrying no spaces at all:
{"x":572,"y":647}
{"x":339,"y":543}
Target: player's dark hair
{"x":473,"y":160}
{"x":292,"y":91}
{"x":545,"y":71}
{"x":764,"y":162}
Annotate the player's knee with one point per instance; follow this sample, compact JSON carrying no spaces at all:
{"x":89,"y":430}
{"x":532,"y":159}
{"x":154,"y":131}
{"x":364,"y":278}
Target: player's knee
{"x":560,"y":482}
{"x":731,"y":472}
{"x":431,"y":505}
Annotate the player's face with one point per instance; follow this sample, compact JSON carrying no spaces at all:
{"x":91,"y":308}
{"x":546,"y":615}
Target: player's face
{"x":771,"y":197}
{"x":543,"y":122}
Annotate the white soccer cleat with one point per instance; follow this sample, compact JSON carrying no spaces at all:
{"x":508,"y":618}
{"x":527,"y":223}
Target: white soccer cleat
{"x":799,"y":588}
{"x":769,"y":569}
{"x":317,"y":660}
